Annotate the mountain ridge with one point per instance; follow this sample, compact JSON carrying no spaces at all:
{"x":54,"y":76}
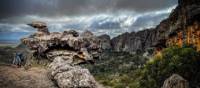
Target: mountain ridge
{"x":183,"y":16}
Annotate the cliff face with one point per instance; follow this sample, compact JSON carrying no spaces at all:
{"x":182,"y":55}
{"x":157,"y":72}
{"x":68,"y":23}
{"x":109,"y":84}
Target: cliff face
{"x":181,"y":27}
{"x":137,"y":42}
{"x":188,"y":30}
{"x":105,"y":42}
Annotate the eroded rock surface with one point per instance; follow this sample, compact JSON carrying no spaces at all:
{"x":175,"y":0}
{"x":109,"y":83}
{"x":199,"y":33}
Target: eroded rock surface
{"x":66,"y":50}
{"x":68,"y":76}
{"x":176,"y":81}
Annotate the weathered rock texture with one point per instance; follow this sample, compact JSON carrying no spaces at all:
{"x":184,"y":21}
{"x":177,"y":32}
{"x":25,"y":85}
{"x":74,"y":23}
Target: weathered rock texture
{"x":182,"y":27}
{"x":176,"y":81}
{"x":66,"y":50}
{"x":68,"y":76}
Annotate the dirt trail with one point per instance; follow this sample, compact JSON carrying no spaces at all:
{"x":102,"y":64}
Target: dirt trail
{"x":13,"y":77}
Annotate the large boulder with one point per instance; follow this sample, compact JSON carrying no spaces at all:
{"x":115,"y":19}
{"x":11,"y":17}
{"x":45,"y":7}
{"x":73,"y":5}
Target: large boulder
{"x":176,"y":81}
{"x":67,"y":76}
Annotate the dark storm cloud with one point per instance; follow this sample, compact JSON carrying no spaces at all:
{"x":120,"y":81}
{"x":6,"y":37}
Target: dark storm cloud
{"x":112,"y":17}
{"x":144,"y":5}
{"x":113,"y":24}
{"x":76,"y":7}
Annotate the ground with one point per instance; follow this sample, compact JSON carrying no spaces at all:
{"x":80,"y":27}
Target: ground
{"x":14,"y":77}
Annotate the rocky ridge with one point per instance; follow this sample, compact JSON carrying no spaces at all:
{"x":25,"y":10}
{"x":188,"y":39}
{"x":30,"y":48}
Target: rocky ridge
{"x":181,"y":27}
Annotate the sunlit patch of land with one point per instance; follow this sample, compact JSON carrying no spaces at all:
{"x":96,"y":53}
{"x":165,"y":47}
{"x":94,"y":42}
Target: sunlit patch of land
{"x":12,"y":76}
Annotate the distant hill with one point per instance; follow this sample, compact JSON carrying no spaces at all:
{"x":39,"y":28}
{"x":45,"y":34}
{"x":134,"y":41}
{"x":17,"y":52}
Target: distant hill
{"x":12,"y":37}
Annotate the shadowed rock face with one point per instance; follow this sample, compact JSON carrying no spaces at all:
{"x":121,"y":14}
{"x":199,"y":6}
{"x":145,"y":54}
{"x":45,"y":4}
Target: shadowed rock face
{"x":66,"y":50}
{"x":105,"y":42}
{"x":176,"y":81}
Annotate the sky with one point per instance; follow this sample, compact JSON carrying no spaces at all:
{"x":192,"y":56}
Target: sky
{"x":112,"y":17}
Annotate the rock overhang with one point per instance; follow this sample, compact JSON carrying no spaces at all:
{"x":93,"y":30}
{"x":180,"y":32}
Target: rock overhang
{"x":67,"y":44}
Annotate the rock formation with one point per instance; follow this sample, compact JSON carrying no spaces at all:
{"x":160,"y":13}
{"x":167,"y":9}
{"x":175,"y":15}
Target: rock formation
{"x":66,"y":50}
{"x":41,"y":27}
{"x":182,"y":27}
{"x":133,"y":42}
{"x":105,"y":42}
{"x":176,"y":81}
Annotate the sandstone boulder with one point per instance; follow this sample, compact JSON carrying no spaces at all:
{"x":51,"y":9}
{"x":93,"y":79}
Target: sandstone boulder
{"x":67,"y":76}
{"x":176,"y":81}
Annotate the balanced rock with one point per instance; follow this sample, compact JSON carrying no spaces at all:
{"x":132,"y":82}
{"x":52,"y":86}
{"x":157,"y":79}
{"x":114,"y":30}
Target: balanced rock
{"x":41,"y":27}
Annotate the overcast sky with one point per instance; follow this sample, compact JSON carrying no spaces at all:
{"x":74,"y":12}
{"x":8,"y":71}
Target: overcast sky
{"x":76,"y":7}
{"x":112,"y":17}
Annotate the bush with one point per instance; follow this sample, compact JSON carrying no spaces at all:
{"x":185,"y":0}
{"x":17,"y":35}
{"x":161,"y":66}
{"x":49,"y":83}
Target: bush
{"x":182,"y":61}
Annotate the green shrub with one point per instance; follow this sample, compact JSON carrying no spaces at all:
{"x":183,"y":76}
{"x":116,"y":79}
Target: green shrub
{"x":182,"y":61}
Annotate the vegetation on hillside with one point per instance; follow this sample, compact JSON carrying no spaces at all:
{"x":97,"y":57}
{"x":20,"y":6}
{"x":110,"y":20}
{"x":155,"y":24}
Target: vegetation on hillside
{"x":183,"y":61}
{"x":120,"y":70}
{"x":115,"y":69}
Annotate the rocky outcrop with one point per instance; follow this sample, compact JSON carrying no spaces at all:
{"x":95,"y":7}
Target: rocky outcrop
{"x":176,"y":81}
{"x":105,"y":42}
{"x":175,"y":30}
{"x":67,"y":44}
{"x":188,"y":30}
{"x":66,"y":51}
{"x":134,"y":41}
